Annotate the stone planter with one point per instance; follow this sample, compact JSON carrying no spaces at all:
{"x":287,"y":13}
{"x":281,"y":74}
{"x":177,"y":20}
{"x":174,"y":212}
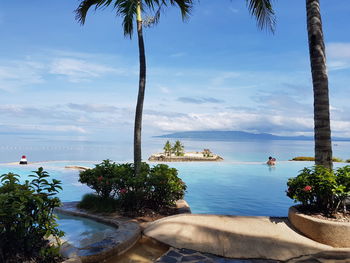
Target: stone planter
{"x":335,"y":234}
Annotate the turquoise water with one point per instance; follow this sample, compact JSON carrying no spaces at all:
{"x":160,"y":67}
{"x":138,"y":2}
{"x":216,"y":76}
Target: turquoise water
{"x":242,"y":184}
{"x":82,"y":232}
{"x":229,"y":187}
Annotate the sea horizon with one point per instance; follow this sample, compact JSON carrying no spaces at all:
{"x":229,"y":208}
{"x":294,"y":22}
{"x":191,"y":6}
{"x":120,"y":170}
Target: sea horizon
{"x":40,"y":148}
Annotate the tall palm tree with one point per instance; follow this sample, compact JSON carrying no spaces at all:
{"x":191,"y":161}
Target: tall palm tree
{"x":129,"y":10}
{"x":323,"y":143}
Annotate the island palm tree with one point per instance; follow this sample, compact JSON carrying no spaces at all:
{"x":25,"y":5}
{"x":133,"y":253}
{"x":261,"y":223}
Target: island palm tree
{"x":167,"y":148}
{"x":129,"y":10}
{"x":178,"y":148}
{"x":322,"y":130}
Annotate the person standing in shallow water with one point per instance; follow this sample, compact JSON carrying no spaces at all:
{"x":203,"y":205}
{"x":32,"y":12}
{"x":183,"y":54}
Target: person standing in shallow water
{"x":271,"y":161}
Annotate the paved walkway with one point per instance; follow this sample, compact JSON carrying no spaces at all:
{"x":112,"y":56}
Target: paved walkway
{"x":239,"y":237}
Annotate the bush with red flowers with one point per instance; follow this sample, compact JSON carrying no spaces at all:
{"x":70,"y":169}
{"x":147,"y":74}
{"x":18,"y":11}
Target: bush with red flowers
{"x":116,"y":185}
{"x":321,"y":189}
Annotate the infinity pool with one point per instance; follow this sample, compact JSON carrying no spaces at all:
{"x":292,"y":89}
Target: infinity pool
{"x":232,"y":188}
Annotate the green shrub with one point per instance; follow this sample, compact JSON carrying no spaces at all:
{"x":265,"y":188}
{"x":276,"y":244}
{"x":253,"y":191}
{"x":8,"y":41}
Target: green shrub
{"x":347,"y":161}
{"x":95,"y":203}
{"x":337,"y":160}
{"x":27,"y":219}
{"x":106,"y":178}
{"x":305,"y":158}
{"x":165,"y":187}
{"x":320,"y":189}
{"x":153,"y":188}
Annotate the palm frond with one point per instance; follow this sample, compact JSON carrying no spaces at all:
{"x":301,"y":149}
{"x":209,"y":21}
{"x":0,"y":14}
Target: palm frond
{"x":185,"y":7}
{"x":126,"y":9}
{"x":83,"y":8}
{"x":262,"y":10}
{"x":157,"y":6}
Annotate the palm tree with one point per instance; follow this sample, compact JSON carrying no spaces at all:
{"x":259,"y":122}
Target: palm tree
{"x":167,"y":148}
{"x":322,"y":130}
{"x":129,"y":10}
{"x":178,"y":148}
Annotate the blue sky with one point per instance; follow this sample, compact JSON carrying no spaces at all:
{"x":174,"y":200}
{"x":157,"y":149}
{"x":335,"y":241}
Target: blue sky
{"x":217,"y":71}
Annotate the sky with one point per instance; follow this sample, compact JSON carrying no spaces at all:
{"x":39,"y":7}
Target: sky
{"x":215,"y":71}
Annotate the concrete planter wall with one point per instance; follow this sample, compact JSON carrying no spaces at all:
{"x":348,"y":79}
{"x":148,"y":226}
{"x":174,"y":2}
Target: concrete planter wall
{"x":335,"y":234}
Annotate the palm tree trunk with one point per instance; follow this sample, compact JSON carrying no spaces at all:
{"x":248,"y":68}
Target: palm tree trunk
{"x":141,"y":94}
{"x":323,"y":144}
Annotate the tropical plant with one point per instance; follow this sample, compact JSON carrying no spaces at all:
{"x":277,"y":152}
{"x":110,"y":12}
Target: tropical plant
{"x":107,"y":178}
{"x":154,"y":188}
{"x":322,"y":130}
{"x":129,"y":10}
{"x":167,"y":148}
{"x":165,"y":187}
{"x":178,"y":148}
{"x":320,"y":189}
{"x":27,"y":219}
{"x":97,"y":204}
{"x":305,"y":158}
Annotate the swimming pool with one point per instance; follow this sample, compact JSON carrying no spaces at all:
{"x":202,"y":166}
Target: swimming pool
{"x":231,"y":188}
{"x":81,"y":232}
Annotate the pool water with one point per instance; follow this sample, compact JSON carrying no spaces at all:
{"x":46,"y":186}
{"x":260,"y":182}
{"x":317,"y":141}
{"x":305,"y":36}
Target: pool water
{"x":81,"y":232}
{"x":230,"y":188}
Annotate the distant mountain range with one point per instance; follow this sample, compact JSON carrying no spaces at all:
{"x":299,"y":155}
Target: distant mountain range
{"x":237,"y":136}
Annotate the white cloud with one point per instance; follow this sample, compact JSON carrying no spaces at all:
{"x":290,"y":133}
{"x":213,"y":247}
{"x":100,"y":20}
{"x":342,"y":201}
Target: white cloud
{"x":164,"y":89}
{"x":16,"y":74}
{"x":338,"y":55}
{"x":78,"y":70}
{"x":337,"y":65}
{"x":178,"y":54}
{"x":41,"y":128}
{"x":234,"y":10}
{"x":287,"y":121}
{"x":222,"y":77}
{"x":240,"y":121}
{"x":338,"y":50}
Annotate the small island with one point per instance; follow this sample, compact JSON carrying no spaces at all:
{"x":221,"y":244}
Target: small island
{"x":176,"y":153}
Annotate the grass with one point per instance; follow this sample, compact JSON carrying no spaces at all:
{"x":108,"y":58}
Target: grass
{"x":305,"y":158}
{"x":95,"y":203}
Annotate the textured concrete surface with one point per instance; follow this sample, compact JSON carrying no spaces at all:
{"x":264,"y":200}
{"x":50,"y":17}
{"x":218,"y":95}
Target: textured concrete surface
{"x":235,"y":236}
{"x":191,"y":256}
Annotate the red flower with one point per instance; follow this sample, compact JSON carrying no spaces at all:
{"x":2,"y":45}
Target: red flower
{"x":123,"y":191}
{"x":307,"y":188}
{"x":100,"y":178}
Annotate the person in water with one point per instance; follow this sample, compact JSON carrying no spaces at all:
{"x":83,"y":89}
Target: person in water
{"x":271,"y":161}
